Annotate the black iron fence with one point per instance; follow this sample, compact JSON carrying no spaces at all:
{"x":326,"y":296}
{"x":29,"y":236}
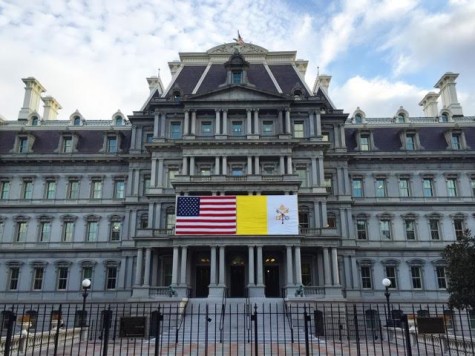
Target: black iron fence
{"x":265,"y":328}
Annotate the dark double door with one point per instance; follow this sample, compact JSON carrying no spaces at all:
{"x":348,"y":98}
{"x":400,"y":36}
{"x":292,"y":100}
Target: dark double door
{"x":272,"y":281}
{"x":238,"y":279}
{"x":202,"y":281}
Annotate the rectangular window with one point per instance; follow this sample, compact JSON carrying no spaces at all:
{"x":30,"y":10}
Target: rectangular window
{"x":23,"y":145}
{"x":38,"y":274}
{"x":119,"y":189}
{"x":299,"y":129}
{"x":73,"y":189}
{"x":171,"y":221}
{"x":27,"y":189}
{"x":45,"y":231}
{"x":111,"y":144}
{"x":391,"y":275}
{"x":385,"y":228}
{"x":325,"y":136}
{"x":237,"y":77}
{"x":96,"y":192}
{"x":4,"y":189}
{"x":455,"y":142}
{"x":175,"y":130}
{"x":416,"y":277}
{"x":68,"y":230}
{"x":410,"y":143}
{"x":86,"y":272}
{"x":67,"y":144}
{"x":115,"y":230}
{"x":452,"y":187}
{"x":404,"y":187}
{"x":366,"y":280}
{"x":361,"y":229}
{"x":205,"y":171}
{"x":13,"y":277}
{"x":237,"y":127}
{"x":357,"y":185}
{"x":459,"y":228}
{"x":50,"y":189}
{"x":441,"y":277}
{"x":301,"y":171}
{"x":434,"y":229}
{"x":380,"y":187}
{"x":111,"y":280}
{"x":62,"y":278}
{"x":146,"y":184}
{"x":364,"y":143}
{"x":427,"y":187}
{"x":172,"y":173}
{"x":148,"y":137}
{"x":1,"y":231}
{"x":92,"y":229}
{"x":306,"y":274}
{"x":268,"y":128}
{"x":21,"y":231}
{"x":410,"y":228}
{"x":236,"y":171}
{"x":206,"y":128}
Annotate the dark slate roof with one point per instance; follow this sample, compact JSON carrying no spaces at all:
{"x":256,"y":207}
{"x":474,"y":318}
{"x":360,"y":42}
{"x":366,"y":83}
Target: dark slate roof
{"x":188,"y":78}
{"x":387,"y":139}
{"x":287,"y":78}
{"x":258,"y":76}
{"x":7,"y":140}
{"x":214,"y":78}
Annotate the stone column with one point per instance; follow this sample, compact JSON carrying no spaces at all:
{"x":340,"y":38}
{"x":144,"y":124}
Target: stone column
{"x":251,"y":265}
{"x":222,"y":280}
{"x":336,"y":277}
{"x":256,"y":121}
{"x":163,"y":120}
{"x":318,"y":123}
{"x":184,"y":166}
{"x":175,"y":266}
{"x":138,"y":267}
{"x":225,"y":122}
{"x":290,"y":267}
{"x":249,"y":122}
{"x":148,"y":261}
{"x":218,"y":123}
{"x":160,"y":173}
{"x":186,"y":128}
{"x":289,"y":165}
{"x":354,"y":272}
{"x":225,"y":166}
{"x":216,"y":165}
{"x":287,"y":121}
{"x":326,"y":266}
{"x":312,"y":123}
{"x":256,"y":165}
{"x":260,"y":268}
{"x":249,"y":165}
{"x":341,"y":129}
{"x":193,"y":122}
{"x":153,"y":175}
{"x":321,"y":172}
{"x":314,"y":172}
{"x":133,"y":138}
{"x":282,"y":165}
{"x":212,"y":277}
{"x":183,"y":266}
{"x":298,"y":266}
{"x":192,"y":166}
{"x":156,"y":124}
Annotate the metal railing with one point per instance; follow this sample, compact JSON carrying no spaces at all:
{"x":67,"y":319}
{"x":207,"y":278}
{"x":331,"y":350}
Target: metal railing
{"x":318,"y":329}
{"x":223,"y":313}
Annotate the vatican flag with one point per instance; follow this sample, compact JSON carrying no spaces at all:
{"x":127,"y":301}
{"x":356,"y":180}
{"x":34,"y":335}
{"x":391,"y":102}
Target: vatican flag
{"x":267,"y":215}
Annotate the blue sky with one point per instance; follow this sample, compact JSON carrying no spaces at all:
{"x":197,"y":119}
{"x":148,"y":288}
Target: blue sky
{"x":94,"y":55}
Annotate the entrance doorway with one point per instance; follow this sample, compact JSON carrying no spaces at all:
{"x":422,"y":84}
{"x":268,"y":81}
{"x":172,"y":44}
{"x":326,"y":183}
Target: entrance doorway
{"x":202,"y":281}
{"x":237,"y":289}
{"x":272,"y":281}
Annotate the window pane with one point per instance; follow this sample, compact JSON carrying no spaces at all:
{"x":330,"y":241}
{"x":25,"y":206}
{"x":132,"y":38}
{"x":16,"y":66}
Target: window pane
{"x":434,"y":229}
{"x":385,"y":229}
{"x":298,"y":129}
{"x":115,"y":230}
{"x":14,"y":275}
{"x":391,"y":275}
{"x":119,"y":191}
{"x":364,"y":143}
{"x":175,"y":130}
{"x":5,"y":190}
{"x":357,"y":188}
{"x":45,"y":231}
{"x":410,"y":229}
{"x":237,"y":128}
{"x":366,"y":281}
{"x":404,"y":187}
{"x":410,"y":143}
{"x":416,"y":275}
{"x":73,"y":190}
{"x":427,"y":187}
{"x":361,"y":229}
{"x":441,"y":279}
{"x":452,"y":187}
{"x":27,"y":190}
{"x":380,"y":188}
{"x":50,"y":190}
{"x":112,"y":144}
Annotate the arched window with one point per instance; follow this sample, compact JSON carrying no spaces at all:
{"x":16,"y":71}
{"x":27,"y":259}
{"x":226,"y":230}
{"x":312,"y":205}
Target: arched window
{"x":119,"y":121}
{"x":304,"y":219}
{"x":34,"y":121}
{"x":358,"y":119}
{"x":401,"y":118}
{"x":444,"y":117}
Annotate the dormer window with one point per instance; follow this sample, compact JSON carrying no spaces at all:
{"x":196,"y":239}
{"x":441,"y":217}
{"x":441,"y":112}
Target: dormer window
{"x":23,"y":144}
{"x":401,"y":118}
{"x":119,"y":121}
{"x":34,"y":121}
{"x":77,"y":121}
{"x":237,"y":77}
{"x":358,"y":119}
{"x":444,"y":117}
{"x":456,"y":140}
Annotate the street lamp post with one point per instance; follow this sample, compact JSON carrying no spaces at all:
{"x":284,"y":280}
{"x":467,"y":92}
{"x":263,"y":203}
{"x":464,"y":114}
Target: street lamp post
{"x":86,"y":284}
{"x":387,"y":283}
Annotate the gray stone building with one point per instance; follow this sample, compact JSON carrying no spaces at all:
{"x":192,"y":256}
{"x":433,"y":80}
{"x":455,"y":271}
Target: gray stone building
{"x":377,"y":197}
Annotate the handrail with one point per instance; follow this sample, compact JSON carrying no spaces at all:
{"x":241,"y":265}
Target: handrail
{"x":182,"y":318}
{"x":223,"y":313}
{"x":288,"y":316}
{"x":248,"y":314}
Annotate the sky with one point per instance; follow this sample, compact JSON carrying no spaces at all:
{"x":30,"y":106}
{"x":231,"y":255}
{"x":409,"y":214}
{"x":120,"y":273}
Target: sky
{"x":94,"y":55}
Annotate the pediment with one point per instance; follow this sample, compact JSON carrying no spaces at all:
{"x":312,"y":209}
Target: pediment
{"x":237,"y":93}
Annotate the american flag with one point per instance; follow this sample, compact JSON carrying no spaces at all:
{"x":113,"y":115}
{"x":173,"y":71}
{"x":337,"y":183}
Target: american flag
{"x":206,"y":215}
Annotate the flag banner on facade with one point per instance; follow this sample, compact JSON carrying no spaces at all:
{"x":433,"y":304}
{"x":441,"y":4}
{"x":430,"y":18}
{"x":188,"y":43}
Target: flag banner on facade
{"x":237,"y":215}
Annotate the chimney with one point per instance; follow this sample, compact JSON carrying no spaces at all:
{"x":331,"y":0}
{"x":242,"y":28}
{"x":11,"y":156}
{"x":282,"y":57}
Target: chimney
{"x":323,"y":82}
{"x":429,"y":104}
{"x":51,"y":107}
{"x":448,"y":93}
{"x":31,"y":101}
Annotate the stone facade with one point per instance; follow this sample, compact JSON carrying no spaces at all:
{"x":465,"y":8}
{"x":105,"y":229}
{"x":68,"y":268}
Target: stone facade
{"x":378,"y":197}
